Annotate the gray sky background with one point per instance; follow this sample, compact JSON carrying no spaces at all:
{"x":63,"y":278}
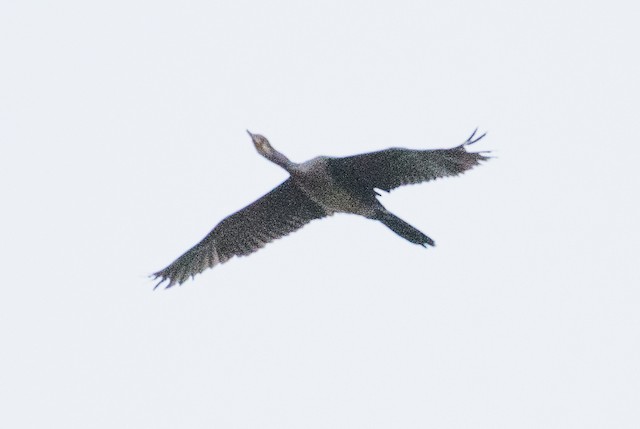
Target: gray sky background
{"x":122,"y":144}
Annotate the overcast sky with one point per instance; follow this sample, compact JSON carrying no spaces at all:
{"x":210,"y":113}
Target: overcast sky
{"x":122,"y":133}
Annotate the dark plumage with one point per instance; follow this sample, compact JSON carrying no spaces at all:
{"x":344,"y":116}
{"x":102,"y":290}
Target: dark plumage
{"x":319,"y":188}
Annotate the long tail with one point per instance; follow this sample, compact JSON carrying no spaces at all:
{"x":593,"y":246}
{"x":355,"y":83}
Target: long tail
{"x":403,"y":229}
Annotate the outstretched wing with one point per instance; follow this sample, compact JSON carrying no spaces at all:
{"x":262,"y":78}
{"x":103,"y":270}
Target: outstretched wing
{"x":391,"y":168}
{"x":278,"y":213}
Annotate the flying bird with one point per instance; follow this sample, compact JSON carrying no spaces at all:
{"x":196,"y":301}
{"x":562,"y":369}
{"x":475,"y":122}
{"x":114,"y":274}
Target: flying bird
{"x":318,"y":188}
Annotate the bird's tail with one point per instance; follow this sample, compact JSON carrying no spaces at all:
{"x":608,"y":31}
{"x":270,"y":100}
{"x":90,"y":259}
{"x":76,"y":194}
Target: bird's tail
{"x":403,"y":229}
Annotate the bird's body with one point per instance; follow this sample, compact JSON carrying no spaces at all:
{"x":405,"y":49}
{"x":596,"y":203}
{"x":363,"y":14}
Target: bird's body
{"x":317,"y":188}
{"x":316,"y":181}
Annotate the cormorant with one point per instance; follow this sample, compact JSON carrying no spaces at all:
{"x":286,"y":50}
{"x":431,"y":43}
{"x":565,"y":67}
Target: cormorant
{"x":317,"y":188}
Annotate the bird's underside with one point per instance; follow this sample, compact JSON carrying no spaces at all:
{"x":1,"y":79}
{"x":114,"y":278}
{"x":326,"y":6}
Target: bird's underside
{"x":299,"y":200}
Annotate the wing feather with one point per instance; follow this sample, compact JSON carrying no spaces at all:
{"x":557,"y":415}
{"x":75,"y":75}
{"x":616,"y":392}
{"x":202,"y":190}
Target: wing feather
{"x":278,"y":213}
{"x":390,"y":168}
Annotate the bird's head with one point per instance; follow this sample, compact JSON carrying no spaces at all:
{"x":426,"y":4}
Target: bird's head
{"x":261,"y":143}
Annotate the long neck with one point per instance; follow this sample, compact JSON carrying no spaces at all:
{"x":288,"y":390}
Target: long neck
{"x":278,"y":158}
